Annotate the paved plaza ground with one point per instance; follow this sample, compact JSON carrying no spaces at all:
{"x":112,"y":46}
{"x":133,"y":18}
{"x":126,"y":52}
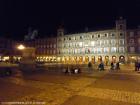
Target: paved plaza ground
{"x":88,"y":88}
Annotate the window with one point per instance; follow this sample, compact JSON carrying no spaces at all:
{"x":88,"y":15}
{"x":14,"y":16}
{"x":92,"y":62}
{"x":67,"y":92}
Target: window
{"x":98,"y":35}
{"x":106,"y":50}
{"x":121,"y":49}
{"x":69,"y":38}
{"x":139,"y":49}
{"x":87,"y":51}
{"x":99,"y":50}
{"x":54,"y":45}
{"x":98,"y":43}
{"x":121,"y":41}
{"x":94,"y":50}
{"x":121,"y":34}
{"x":131,"y":41}
{"x":139,"y":41}
{"x":81,"y":37}
{"x":92,"y":36}
{"x":81,"y":51}
{"x":54,"y":51}
{"x":132,"y":49}
{"x":121,"y":27}
{"x":102,"y":42}
{"x":113,"y":49}
{"x":106,"y":35}
{"x":113,"y":42}
{"x":106,"y":42}
{"x":80,"y":44}
{"x":113,"y":35}
{"x":92,"y":43}
{"x":70,"y":44}
{"x":131,"y":34}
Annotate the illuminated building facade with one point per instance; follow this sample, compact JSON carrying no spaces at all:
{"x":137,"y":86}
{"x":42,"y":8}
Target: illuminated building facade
{"x":46,"y":48}
{"x":116,"y":44}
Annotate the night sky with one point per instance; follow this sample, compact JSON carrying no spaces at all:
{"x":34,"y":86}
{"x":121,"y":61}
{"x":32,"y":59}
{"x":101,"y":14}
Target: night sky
{"x":16,"y":16}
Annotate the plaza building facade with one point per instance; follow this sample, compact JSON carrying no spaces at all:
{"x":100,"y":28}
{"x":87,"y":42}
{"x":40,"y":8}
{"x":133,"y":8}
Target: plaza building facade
{"x":116,"y":44}
{"x":45,"y":49}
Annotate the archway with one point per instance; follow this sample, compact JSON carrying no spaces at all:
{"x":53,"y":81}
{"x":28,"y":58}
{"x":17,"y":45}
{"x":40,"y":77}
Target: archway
{"x":122,"y":59}
{"x":99,"y":59}
{"x":86,"y":59}
{"x":75,"y":59}
{"x":114,"y":58}
{"x":106,"y":60}
{"x":93,"y":59}
{"x":80,"y":59}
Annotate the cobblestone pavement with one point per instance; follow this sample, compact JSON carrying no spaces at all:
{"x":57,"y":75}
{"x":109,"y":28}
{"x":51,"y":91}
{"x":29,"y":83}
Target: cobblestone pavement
{"x":97,"y":88}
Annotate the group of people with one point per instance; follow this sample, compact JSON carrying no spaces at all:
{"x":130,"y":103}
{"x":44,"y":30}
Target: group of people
{"x":114,"y":66}
{"x":137,"y":66}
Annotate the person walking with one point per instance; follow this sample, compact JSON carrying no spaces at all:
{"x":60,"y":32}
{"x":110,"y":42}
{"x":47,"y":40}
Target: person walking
{"x":89,"y":67}
{"x":136,"y":65}
{"x":112,"y":66}
{"x":117,"y":66}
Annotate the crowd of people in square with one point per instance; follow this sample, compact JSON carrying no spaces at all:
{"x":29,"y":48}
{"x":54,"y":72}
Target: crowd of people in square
{"x":113,"y":66}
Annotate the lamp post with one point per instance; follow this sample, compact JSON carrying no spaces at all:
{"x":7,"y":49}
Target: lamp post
{"x":28,"y":58}
{"x":21,"y":47}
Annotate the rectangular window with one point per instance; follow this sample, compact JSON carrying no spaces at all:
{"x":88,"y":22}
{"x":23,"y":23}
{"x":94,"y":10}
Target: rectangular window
{"x":132,"y":49}
{"x":131,"y":34}
{"x":113,"y":42}
{"x":121,"y":49}
{"x":121,"y":41}
{"x":92,"y":43}
{"x":106,"y":50}
{"x":113,"y":49}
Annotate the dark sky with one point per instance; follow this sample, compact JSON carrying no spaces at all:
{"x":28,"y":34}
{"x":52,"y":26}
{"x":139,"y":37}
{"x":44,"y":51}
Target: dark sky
{"x":16,"y":16}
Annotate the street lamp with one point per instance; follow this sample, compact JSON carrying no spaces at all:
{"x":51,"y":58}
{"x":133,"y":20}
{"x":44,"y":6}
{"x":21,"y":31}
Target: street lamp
{"x":21,"y":47}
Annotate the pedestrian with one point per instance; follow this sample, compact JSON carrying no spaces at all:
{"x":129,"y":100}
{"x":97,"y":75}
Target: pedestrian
{"x":112,"y":66}
{"x":136,"y":65}
{"x":101,"y":66}
{"x":69,"y":71}
{"x":89,"y":66}
{"x":117,"y":66}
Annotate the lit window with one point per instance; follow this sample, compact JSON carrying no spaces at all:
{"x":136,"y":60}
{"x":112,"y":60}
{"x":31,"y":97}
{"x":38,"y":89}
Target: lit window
{"x":121,"y":49}
{"x":99,"y":50}
{"x":92,"y":43}
{"x":80,"y":44}
{"x":113,"y":49}
{"x":106,"y":50}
